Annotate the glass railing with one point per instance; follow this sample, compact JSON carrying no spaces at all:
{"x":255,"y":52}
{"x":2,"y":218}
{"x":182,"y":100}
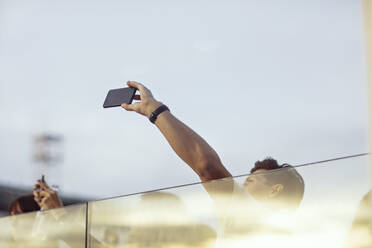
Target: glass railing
{"x":326,"y":204}
{"x":62,"y":227}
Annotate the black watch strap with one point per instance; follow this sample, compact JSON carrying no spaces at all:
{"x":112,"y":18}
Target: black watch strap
{"x":157,"y":112}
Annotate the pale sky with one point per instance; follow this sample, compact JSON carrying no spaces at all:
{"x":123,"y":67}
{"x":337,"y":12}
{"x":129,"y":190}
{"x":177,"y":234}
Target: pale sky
{"x":254,"y":78}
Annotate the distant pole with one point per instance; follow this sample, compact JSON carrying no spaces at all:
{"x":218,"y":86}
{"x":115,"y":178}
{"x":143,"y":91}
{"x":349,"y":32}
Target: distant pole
{"x":48,"y":155}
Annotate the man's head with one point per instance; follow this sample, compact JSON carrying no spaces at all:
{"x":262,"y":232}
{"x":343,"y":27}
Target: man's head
{"x":273,"y":183}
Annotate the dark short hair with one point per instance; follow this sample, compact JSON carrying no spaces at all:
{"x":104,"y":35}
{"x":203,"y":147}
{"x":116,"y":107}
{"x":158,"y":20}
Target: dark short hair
{"x":286,"y":175}
{"x":26,"y":203}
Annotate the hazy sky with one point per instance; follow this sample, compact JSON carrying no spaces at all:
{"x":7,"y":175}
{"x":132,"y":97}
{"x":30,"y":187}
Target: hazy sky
{"x":254,"y":78}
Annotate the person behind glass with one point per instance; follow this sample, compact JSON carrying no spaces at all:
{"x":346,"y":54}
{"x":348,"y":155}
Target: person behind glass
{"x":24,"y":228}
{"x":284,"y":185}
{"x":43,"y":197}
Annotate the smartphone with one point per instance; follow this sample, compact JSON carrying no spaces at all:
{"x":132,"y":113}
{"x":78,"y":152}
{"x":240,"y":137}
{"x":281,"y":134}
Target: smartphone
{"x":117,"y":97}
{"x":37,"y":189}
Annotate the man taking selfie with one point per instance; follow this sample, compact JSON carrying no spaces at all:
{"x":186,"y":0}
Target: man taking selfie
{"x":270,"y":188}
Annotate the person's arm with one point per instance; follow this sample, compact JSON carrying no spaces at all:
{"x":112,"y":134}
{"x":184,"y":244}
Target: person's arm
{"x":187,"y":144}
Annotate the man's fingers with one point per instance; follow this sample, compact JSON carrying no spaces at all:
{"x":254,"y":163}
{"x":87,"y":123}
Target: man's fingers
{"x":146,"y":99}
{"x":136,"y":85}
{"x":142,"y":89}
{"x":130,"y":107}
{"x":127,"y":107}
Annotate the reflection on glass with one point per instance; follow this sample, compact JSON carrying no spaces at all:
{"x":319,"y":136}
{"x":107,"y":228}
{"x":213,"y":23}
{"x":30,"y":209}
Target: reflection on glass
{"x":158,"y":219}
{"x":258,"y":209}
{"x":288,"y":207}
{"x":62,"y":227}
{"x":361,"y":230}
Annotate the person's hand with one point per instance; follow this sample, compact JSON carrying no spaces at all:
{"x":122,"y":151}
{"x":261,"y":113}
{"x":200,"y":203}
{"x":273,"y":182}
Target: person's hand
{"x":46,"y":197}
{"x":147,"y":103}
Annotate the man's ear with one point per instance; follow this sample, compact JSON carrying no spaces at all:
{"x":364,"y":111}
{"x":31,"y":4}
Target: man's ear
{"x":275,"y":190}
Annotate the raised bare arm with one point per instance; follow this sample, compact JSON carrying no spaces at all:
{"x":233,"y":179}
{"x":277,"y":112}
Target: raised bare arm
{"x":187,"y":144}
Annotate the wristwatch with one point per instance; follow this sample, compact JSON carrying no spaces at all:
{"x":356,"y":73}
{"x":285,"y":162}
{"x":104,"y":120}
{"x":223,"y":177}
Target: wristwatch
{"x":158,"y":111}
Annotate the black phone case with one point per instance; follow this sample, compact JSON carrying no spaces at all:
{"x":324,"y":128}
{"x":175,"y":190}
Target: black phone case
{"x":117,"y":97}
